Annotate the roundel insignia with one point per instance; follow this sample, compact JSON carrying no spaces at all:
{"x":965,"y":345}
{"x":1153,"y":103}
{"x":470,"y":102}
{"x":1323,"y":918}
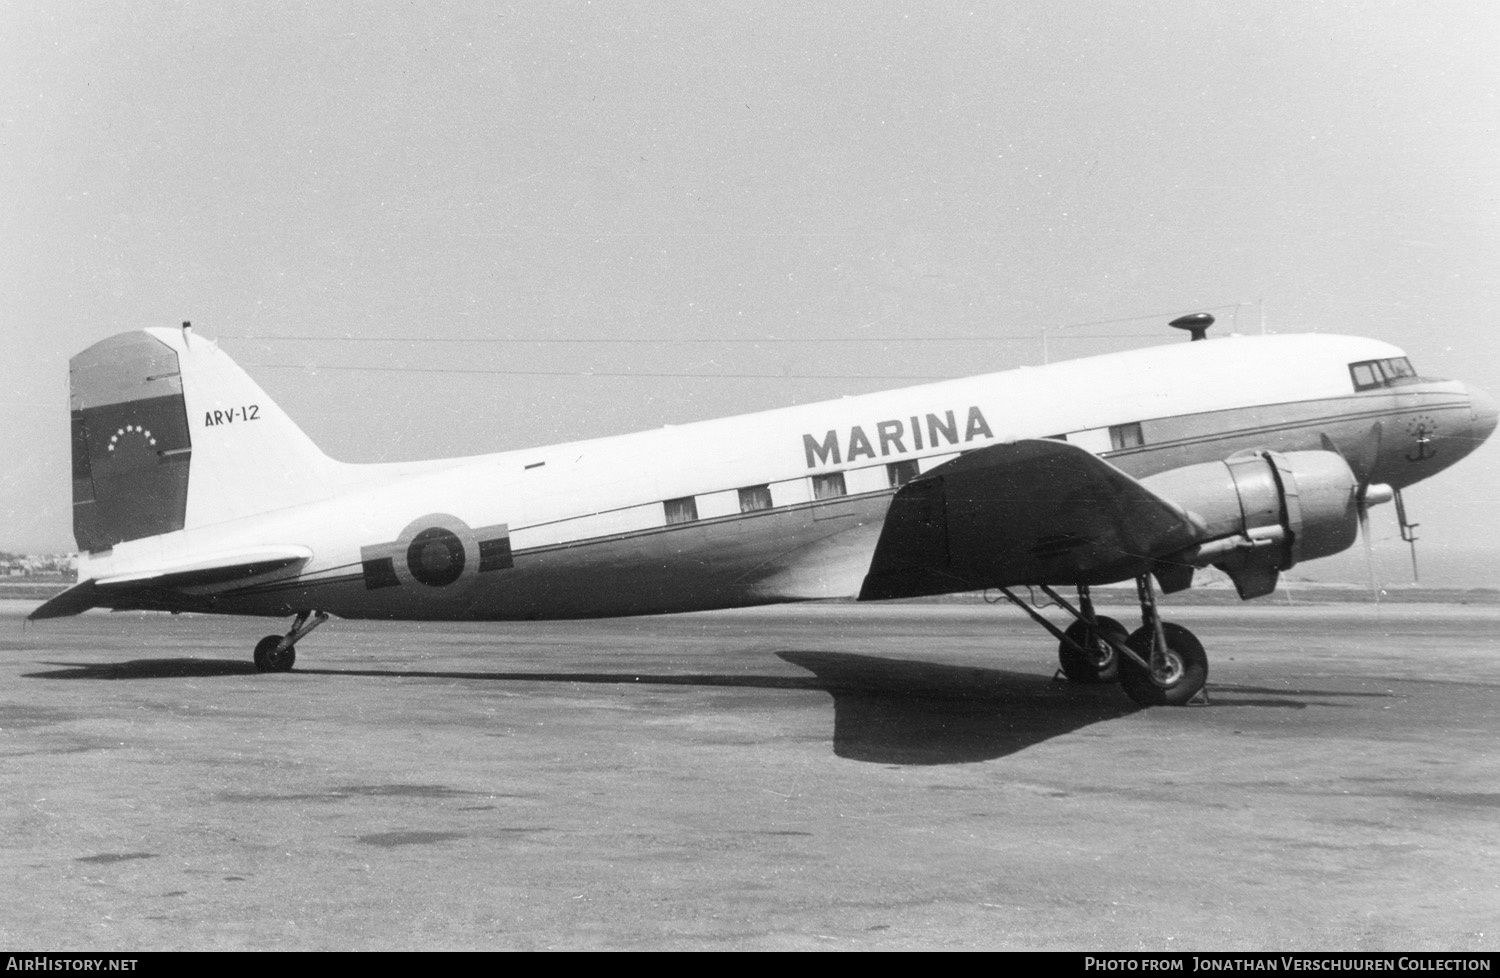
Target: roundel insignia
{"x":436,"y":557}
{"x":437,"y":551}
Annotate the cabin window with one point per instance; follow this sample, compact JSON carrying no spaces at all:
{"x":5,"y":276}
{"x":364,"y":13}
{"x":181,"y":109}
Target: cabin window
{"x":684,"y":510}
{"x":753,"y":498}
{"x":900,"y":473}
{"x":828,"y":486}
{"x":1126,"y":436}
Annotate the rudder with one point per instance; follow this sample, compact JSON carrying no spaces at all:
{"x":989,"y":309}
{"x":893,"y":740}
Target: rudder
{"x":170,"y":434}
{"x":131,"y":445}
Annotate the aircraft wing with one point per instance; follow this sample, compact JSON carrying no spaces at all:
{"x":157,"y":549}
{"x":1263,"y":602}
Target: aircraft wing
{"x":212,"y":569}
{"x":1036,"y":511}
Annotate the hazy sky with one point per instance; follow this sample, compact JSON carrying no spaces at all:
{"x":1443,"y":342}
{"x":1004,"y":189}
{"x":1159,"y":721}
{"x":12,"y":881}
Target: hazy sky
{"x":674,"y":172}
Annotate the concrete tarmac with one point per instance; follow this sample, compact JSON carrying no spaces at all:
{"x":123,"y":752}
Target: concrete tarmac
{"x":809,"y":777}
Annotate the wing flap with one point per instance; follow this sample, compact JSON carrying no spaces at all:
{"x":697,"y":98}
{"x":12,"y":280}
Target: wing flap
{"x":1026,"y":512}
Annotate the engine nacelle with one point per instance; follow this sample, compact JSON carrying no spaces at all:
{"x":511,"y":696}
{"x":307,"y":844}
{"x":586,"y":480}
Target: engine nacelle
{"x":1264,"y":512}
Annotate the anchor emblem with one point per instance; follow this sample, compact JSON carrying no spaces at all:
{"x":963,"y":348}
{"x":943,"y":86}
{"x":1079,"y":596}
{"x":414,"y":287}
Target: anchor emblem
{"x":1422,"y":430}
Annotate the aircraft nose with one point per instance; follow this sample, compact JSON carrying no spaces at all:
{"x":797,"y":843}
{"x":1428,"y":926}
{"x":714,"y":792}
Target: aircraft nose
{"x":1484,"y":411}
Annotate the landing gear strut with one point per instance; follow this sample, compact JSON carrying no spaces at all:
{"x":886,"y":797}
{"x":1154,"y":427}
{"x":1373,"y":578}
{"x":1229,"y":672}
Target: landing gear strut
{"x":276,"y":653}
{"x":1164,"y":664}
{"x":1088,"y":650}
{"x":1087,"y":653}
{"x":1159,"y":664}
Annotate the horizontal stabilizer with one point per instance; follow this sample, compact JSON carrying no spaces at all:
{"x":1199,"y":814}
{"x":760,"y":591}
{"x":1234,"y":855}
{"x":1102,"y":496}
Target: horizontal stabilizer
{"x":215,"y":569}
{"x":1036,"y":511}
{"x":75,"y":600}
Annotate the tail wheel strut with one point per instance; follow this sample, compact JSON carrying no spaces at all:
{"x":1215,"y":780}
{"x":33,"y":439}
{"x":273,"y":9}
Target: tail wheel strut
{"x":277,"y":653}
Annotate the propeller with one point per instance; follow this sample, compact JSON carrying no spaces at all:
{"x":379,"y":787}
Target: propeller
{"x":1371,"y":494}
{"x":1362,"y":457}
{"x":1361,"y":454}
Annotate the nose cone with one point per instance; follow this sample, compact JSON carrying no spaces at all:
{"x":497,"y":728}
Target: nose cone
{"x":1484,"y":411}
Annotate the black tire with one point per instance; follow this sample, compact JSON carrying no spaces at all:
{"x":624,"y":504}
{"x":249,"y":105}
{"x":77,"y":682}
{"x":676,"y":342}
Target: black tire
{"x":1102,"y":665}
{"x":1186,"y":674}
{"x":268,"y":660}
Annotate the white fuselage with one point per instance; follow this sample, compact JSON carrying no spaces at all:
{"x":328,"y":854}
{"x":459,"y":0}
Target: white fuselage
{"x":740,"y":510}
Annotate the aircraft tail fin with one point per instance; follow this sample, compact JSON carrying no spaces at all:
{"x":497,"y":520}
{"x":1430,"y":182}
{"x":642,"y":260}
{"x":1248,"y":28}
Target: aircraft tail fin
{"x":170,"y":434}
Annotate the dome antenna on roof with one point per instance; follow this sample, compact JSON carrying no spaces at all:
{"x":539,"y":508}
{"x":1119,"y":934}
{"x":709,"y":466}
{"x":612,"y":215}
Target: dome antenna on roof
{"x":1196,"y":323}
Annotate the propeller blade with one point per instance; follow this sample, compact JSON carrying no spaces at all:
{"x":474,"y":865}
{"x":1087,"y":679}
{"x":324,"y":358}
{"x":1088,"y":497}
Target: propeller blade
{"x":1371,"y":495}
{"x":1361,"y":453}
{"x":1364,"y":536}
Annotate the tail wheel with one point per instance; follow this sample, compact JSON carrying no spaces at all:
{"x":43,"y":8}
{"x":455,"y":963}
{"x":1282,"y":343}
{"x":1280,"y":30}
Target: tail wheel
{"x":267,"y":659}
{"x":1180,"y":677}
{"x":1098,"y":662}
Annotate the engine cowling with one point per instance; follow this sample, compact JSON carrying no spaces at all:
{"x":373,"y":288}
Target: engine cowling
{"x":1263,"y":512}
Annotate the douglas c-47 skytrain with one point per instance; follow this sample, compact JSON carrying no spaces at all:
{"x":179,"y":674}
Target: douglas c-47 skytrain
{"x":192,"y":491}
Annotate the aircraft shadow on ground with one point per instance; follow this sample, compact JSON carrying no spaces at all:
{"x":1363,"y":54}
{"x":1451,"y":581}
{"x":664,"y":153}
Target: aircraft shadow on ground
{"x":890,"y":711}
{"x":1268,"y":697}
{"x":897,"y":711}
{"x":181,"y":668}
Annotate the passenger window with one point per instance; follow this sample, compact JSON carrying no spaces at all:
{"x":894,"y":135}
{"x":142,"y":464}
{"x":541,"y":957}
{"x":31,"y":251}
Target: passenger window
{"x":753,"y":498}
{"x":1125,"y":436}
{"x":684,"y":510}
{"x":828,"y":486}
{"x":900,"y":473}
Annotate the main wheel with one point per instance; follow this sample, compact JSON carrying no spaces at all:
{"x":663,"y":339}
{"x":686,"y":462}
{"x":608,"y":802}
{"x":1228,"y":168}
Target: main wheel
{"x":1180,"y":679}
{"x":1101,"y":664}
{"x":267,"y":659}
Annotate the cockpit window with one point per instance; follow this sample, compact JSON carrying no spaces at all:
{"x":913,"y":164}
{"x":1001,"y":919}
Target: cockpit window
{"x":1369,"y":374}
{"x":1398,"y":367}
{"x":1366,"y":376}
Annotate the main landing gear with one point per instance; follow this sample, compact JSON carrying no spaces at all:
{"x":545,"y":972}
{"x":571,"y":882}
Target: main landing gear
{"x":1164,"y":663}
{"x":1158,"y":664}
{"x":1087,"y":649}
{"x":276,"y":653}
